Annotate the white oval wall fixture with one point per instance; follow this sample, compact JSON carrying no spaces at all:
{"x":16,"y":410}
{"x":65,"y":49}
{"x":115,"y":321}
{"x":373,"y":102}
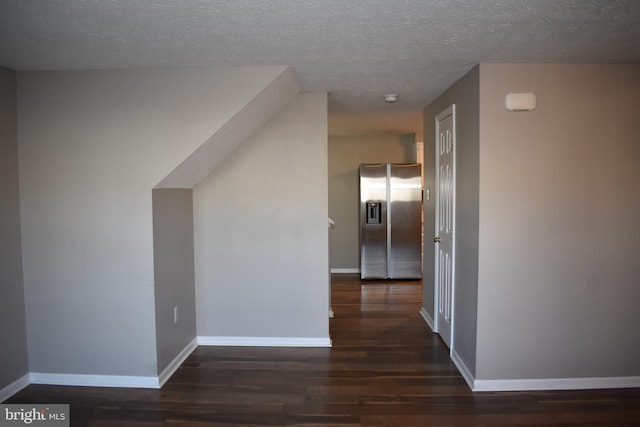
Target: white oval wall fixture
{"x":391,"y":98}
{"x":520,"y":101}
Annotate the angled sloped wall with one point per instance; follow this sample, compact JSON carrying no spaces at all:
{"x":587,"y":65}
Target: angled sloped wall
{"x":92,"y":145}
{"x":175,"y":307}
{"x":233,"y":132}
{"x":261,"y":240}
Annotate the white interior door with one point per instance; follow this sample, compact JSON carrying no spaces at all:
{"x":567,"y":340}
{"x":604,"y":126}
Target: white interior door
{"x":445,"y":223}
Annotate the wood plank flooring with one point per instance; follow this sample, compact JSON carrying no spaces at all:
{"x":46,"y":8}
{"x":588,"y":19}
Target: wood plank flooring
{"x":385,"y":369}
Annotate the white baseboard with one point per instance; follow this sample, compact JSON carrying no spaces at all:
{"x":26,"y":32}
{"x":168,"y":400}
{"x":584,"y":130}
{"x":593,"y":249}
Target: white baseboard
{"x":345,"y":270}
{"x":542,"y":383}
{"x":556,"y":384}
{"x":427,"y":318}
{"x":463,"y":369}
{"x":14,"y":387}
{"x":94,"y":380}
{"x":99,"y":380}
{"x":175,"y":363}
{"x":264,"y":341}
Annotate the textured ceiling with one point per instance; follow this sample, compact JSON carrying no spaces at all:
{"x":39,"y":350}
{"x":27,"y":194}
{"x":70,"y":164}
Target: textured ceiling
{"x":357,"y":50}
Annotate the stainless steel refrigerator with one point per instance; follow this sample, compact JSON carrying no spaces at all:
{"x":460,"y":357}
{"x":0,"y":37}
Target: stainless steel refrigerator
{"x":390,"y":221}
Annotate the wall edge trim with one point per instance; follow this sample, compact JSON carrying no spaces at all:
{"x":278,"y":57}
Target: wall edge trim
{"x":264,"y":341}
{"x":128,"y":381}
{"x":173,"y":366}
{"x":14,"y":387}
{"x":428,"y":319}
{"x":463,"y":369}
{"x":556,"y":383}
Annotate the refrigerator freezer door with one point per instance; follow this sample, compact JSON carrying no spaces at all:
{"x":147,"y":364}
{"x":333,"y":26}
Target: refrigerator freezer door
{"x":404,"y":256}
{"x":373,"y":221}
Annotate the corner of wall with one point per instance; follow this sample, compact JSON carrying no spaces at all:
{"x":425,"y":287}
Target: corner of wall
{"x":13,"y":353}
{"x":465,"y":95}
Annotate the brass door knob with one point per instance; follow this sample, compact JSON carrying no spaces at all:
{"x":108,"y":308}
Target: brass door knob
{"x":436,"y":239}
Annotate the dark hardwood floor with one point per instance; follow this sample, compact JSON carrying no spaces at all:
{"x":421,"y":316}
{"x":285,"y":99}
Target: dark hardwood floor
{"x":385,"y":369}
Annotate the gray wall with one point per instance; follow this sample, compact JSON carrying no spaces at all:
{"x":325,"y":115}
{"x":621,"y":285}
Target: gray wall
{"x":559,"y":277}
{"x":92,"y":146}
{"x":546,"y":223}
{"x":260,"y":222}
{"x":465,"y":95}
{"x":173,"y":271}
{"x":346,"y":153}
{"x":13,"y":352}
